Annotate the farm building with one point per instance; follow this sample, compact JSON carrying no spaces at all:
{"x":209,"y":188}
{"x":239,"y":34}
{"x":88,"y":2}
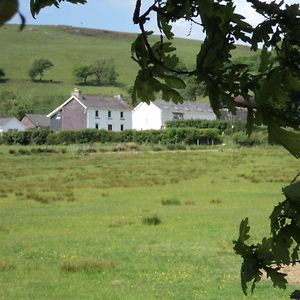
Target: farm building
{"x":87,"y":111}
{"x":35,"y":121}
{"x":7,"y":124}
{"x":241,"y":113}
{"x":155,"y":114}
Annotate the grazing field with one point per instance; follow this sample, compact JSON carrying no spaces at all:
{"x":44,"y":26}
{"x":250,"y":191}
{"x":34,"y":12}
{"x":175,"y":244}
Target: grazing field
{"x":134,"y":225}
{"x":67,"y":48}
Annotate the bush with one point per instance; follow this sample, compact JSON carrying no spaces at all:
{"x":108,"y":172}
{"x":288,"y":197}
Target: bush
{"x":256,"y":138}
{"x":170,"y":201}
{"x":152,"y":220}
{"x":221,"y":126}
{"x":156,"y":148}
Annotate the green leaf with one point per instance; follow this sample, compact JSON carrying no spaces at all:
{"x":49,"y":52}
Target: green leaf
{"x":244,"y":230}
{"x":174,"y":82}
{"x":292,"y":191}
{"x":37,"y":5}
{"x":8,"y":8}
{"x":287,"y":138}
{"x":265,"y":60}
{"x":277,"y":277}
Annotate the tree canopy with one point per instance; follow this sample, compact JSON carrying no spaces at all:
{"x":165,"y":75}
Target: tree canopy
{"x":274,"y":87}
{"x":38,"y":68}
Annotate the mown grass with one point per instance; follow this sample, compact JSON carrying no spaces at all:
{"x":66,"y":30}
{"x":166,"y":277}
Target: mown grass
{"x":97,"y":245}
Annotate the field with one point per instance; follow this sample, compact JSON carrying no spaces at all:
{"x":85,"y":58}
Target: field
{"x":76,"y":226}
{"x":67,"y":48}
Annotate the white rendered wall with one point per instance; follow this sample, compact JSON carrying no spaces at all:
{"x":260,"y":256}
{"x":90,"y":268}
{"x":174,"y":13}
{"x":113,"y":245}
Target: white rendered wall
{"x":115,"y":120}
{"x":146,"y":116}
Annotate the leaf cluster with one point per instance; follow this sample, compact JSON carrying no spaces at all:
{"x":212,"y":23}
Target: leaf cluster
{"x":278,"y":66}
{"x":281,"y":248}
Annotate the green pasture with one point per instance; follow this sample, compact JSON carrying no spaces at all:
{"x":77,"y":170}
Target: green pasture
{"x":67,"y":48}
{"x":76,"y":226}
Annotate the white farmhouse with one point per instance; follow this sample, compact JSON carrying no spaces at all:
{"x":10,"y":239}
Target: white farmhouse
{"x":89,"y":111}
{"x":155,"y":114}
{"x":7,"y":124}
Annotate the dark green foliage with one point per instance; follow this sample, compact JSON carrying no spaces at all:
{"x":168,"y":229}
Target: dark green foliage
{"x":282,"y":247}
{"x":170,"y":201}
{"x":82,"y":73}
{"x":13,"y":105}
{"x":90,"y":265}
{"x":242,"y":139}
{"x":152,"y":220}
{"x":2,"y":74}
{"x":130,"y":137}
{"x":38,"y":68}
{"x":221,"y":126}
{"x":34,"y":136}
{"x":105,"y":72}
{"x":37,"y":5}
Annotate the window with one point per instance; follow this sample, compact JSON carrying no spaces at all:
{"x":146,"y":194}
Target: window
{"x":122,"y":115}
{"x":96,"y":114}
{"x":109,"y":127}
{"x":177,"y":116}
{"x":58,"y":115}
{"x":96,"y":125}
{"x":109,"y":114}
{"x":122,"y":127}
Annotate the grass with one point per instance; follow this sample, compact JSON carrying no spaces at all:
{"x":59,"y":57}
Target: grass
{"x":97,"y":246}
{"x":83,"y":47}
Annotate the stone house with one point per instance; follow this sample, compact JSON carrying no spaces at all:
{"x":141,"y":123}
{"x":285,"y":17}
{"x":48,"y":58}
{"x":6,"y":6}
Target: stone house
{"x":90,"y":111}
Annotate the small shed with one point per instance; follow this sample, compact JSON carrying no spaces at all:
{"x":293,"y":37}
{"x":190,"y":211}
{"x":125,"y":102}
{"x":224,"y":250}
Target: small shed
{"x":35,"y":121}
{"x":11,"y":123}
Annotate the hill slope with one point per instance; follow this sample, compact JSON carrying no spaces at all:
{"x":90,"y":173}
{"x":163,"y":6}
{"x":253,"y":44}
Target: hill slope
{"x":68,"y":47}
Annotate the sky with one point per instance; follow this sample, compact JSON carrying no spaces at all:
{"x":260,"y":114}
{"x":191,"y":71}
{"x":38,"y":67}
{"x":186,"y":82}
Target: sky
{"x":116,"y":15}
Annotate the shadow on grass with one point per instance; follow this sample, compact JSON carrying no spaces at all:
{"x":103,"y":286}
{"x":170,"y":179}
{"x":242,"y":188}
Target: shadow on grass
{"x":47,"y":81}
{"x":93,"y":83}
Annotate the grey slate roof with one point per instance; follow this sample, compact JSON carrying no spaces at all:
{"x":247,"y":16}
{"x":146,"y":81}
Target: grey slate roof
{"x":3,"y":121}
{"x":186,"y":106}
{"x":104,"y":103}
{"x":39,"y":120}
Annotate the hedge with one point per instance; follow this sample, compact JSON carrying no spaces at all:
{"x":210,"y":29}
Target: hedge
{"x":221,"y":126}
{"x":167,"y":136}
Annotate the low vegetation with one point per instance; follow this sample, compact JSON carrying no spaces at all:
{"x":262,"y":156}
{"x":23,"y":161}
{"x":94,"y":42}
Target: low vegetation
{"x":87,"y":221}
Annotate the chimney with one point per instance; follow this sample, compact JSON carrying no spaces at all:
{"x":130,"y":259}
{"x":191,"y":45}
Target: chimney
{"x":119,"y":97}
{"x":76,"y":93}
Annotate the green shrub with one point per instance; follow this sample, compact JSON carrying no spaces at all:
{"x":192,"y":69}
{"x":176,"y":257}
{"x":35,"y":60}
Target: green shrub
{"x":256,"y":138}
{"x":170,"y":201}
{"x":88,"y":265}
{"x":152,"y":220}
{"x":221,"y":126}
{"x":156,"y":148}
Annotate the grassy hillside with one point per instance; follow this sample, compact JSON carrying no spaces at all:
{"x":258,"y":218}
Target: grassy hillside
{"x":68,"y":47}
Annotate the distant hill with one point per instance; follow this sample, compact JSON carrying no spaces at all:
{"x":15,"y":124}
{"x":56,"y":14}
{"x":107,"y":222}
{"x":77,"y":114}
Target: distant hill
{"x":68,"y":47}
